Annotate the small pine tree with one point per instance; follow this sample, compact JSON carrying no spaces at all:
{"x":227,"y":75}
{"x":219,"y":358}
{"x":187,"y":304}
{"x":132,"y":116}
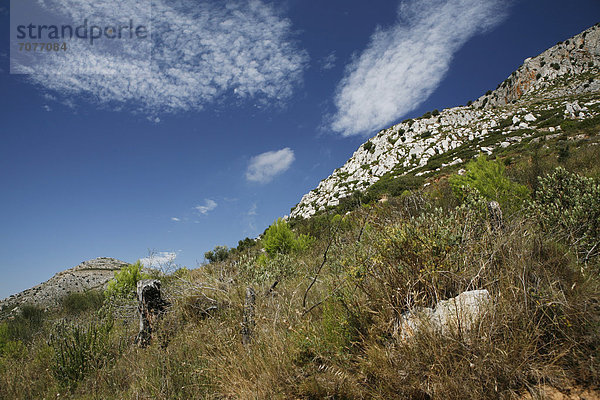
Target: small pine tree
{"x":279,"y":239}
{"x":489,"y":179}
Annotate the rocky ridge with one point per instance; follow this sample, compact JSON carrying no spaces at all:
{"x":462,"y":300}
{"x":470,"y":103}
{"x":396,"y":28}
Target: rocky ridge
{"x":91,"y":274}
{"x":564,"y":80}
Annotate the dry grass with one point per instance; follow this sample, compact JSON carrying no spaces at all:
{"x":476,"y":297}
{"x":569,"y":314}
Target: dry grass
{"x":541,"y":329}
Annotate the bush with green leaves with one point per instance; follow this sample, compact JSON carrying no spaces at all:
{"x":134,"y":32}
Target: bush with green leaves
{"x":490,"y":180}
{"x":21,"y":328}
{"x":245,"y":244}
{"x":219,"y":253}
{"x":77,"y":349}
{"x":78,"y":302}
{"x":280,"y":239}
{"x":124,"y":284}
{"x":570,"y":204}
{"x":393,"y":186}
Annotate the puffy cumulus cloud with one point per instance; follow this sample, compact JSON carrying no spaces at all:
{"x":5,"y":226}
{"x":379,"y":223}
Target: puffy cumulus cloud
{"x":266,"y":166}
{"x":200,"y":51}
{"x":207,"y":207}
{"x":159,"y":259}
{"x":404,"y":64}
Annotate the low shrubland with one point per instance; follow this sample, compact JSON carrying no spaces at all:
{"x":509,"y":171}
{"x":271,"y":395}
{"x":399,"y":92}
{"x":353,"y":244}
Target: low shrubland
{"x":331,"y":292}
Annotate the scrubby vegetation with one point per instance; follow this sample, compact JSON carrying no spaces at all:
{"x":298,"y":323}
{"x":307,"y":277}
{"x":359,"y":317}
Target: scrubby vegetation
{"x":331,"y":292}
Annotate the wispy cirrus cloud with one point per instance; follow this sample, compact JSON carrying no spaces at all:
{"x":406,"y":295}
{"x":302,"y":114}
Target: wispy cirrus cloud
{"x":328,"y":62}
{"x":264,"y":167}
{"x":201,"y":52}
{"x":157,"y":260}
{"x":207,"y":207}
{"x":404,"y":64}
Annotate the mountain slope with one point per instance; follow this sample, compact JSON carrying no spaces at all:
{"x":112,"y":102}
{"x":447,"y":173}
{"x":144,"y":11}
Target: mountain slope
{"x":532,"y":101}
{"x":91,"y":274}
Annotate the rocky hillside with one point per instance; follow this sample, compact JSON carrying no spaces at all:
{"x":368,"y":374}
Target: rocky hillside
{"x":92,"y":274}
{"x":563,"y":82}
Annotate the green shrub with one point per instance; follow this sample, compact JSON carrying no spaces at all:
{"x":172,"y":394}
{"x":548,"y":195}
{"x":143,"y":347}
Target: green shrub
{"x":78,"y":302}
{"x":22,"y":327}
{"x":245,"y":244}
{"x":219,"y":253}
{"x":10,"y":346}
{"x":490,"y":180}
{"x":393,"y":186}
{"x":570,"y":204}
{"x":279,"y":239}
{"x":505,"y":123}
{"x":78,"y":349}
{"x":125,"y":281}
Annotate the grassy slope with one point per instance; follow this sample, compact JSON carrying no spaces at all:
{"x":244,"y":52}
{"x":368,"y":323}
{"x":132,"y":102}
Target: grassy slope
{"x":381,"y":260}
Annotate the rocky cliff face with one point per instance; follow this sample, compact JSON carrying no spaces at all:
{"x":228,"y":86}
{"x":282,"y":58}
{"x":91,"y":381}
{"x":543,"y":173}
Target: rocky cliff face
{"x":564,"y":79}
{"x":540,"y":77}
{"x":92,"y":274}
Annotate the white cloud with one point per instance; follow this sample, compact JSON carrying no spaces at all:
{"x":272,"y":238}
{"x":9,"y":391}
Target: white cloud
{"x":328,"y":62}
{"x":252,"y":211}
{"x":201,"y":52}
{"x":47,"y":108}
{"x":208,"y":206}
{"x":266,"y":166}
{"x":404,"y":64}
{"x":175,"y":219}
{"x":158,"y":260}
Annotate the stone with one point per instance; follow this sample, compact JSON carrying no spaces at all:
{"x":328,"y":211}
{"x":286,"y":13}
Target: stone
{"x":454,"y":316}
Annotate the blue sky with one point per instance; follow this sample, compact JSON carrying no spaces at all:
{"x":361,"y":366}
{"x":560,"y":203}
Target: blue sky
{"x":201,"y":152}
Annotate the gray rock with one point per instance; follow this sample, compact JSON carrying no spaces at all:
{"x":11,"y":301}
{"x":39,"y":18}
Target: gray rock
{"x":403,"y":145}
{"x":91,"y":274}
{"x":456,"y":315}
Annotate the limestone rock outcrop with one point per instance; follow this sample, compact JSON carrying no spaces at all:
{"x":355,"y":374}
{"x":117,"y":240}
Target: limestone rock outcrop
{"x":456,"y":315}
{"x":500,"y":119}
{"x":91,"y":274}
